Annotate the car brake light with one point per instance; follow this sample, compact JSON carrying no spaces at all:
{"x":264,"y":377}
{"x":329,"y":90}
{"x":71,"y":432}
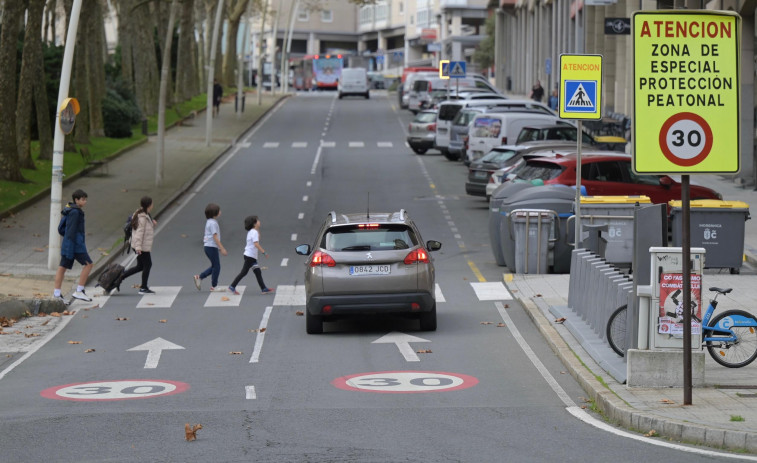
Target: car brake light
{"x":368,"y":225}
{"x":419,"y":255}
{"x":431,"y":128}
{"x":465,"y":142}
{"x":504,"y":140}
{"x":321,"y":258}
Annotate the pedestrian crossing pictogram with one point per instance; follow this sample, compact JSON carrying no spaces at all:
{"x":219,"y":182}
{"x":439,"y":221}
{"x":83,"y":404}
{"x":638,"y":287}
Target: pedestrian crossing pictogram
{"x":581,"y":96}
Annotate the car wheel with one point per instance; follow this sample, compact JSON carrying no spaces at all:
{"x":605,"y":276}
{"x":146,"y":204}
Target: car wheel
{"x":450,"y":156}
{"x":313,"y":323}
{"x":340,"y":96}
{"x":367,"y":95}
{"x":428,"y":320}
{"x":419,"y":150}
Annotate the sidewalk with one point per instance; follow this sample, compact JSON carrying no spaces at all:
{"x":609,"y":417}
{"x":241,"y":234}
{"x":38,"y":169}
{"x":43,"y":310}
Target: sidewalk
{"x":113,"y":194}
{"x":24,"y":276}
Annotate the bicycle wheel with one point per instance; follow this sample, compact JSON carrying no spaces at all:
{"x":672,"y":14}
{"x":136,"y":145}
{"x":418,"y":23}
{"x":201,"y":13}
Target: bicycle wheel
{"x":616,"y":330}
{"x":737,"y":354}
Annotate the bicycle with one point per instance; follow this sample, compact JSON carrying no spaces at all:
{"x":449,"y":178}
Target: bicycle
{"x":730,"y":337}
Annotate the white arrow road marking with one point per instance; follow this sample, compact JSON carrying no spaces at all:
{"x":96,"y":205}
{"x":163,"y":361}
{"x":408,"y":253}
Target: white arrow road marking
{"x":402,"y":341}
{"x":154,"y":349}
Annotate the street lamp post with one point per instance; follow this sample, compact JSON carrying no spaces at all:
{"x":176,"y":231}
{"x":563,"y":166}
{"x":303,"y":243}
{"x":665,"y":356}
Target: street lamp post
{"x":211,"y":73}
{"x":56,"y":186}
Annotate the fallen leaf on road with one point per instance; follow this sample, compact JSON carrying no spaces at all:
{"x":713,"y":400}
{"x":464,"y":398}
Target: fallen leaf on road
{"x":55,"y":314}
{"x":121,"y":319}
{"x":14,"y":295}
{"x":88,"y":351}
{"x":538,"y":295}
{"x":507,"y":306}
{"x":651,"y":433}
{"x":235,"y":353}
{"x":487,"y":323}
{"x":42,"y":314}
{"x":5,"y":323}
{"x":162,"y":321}
{"x":74,"y":342}
{"x":560,"y":320}
{"x":299,"y":313}
{"x":66,"y":312}
{"x":224,"y":298}
{"x":501,"y":325}
{"x":150,"y":303}
{"x":424,"y":351}
{"x":39,"y":249}
{"x":667,"y":401}
{"x":45,"y":322}
{"x":32,"y":335}
{"x":183,"y":235}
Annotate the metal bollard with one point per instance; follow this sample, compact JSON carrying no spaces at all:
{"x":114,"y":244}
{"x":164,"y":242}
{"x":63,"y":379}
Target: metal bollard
{"x":144,"y":126}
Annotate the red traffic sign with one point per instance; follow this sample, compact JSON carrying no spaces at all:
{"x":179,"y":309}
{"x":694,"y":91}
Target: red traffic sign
{"x":685,"y":139}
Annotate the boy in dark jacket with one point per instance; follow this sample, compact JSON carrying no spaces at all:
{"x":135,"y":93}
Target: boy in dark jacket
{"x":73,"y":247}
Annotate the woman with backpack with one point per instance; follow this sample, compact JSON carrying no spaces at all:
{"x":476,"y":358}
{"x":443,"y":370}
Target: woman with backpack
{"x":143,"y":230}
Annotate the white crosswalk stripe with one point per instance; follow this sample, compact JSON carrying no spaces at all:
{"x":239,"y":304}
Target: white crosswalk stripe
{"x":299,"y":144}
{"x":271,"y":144}
{"x":491,"y":291}
{"x":385,"y":144}
{"x":289,"y":295}
{"x":162,"y":299}
{"x":438,"y":294}
{"x":357,"y":144}
{"x":225,"y":298}
{"x":328,"y":144}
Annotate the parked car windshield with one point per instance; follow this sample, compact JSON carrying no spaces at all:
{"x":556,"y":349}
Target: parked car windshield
{"x":465,"y":117}
{"x":498,"y":156}
{"x":533,"y":170}
{"x":447,"y":112}
{"x":369,"y":237}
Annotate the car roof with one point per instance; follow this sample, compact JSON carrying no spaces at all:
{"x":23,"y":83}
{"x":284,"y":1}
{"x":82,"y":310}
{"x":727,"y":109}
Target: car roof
{"x":557,"y":125}
{"x":568,"y":158}
{"x":352,"y":218}
{"x":504,"y":110}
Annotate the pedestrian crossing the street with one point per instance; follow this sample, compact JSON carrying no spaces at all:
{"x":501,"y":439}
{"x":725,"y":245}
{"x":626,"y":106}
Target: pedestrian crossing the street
{"x":165,"y":297}
{"x":328,"y":144}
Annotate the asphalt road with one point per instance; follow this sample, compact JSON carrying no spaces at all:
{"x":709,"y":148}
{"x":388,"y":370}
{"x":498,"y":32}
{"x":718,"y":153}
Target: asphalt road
{"x":243,"y":366}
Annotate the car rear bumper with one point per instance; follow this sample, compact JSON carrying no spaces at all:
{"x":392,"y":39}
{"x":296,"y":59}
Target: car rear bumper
{"x":420,"y":142}
{"x":475,"y":189}
{"x":371,"y":303}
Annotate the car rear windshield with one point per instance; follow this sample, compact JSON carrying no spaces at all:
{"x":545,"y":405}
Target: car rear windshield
{"x":447,"y":112}
{"x":533,"y":170}
{"x":497,"y":156}
{"x":465,"y":117}
{"x":369,"y":237}
{"x":425,"y":117}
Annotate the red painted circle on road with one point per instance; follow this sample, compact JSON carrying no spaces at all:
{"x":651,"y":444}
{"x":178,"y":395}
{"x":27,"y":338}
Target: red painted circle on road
{"x":405,"y":382}
{"x":122,"y":389}
{"x":681,"y":145}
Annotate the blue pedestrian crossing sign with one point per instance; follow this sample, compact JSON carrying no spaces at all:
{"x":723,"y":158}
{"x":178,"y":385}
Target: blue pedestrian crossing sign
{"x":580,"y":86}
{"x":451,"y":69}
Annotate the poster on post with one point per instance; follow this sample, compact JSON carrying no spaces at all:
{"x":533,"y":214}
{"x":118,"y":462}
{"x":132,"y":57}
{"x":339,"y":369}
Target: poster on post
{"x":671,"y":309}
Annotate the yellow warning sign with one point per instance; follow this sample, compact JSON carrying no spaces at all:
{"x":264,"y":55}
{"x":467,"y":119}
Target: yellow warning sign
{"x":686,"y":92}
{"x":580,"y":86}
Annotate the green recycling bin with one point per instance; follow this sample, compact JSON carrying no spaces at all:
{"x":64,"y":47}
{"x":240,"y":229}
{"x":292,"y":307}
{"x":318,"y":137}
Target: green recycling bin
{"x":718,"y":226}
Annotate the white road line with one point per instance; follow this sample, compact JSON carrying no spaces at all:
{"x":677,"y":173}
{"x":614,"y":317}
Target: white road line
{"x":294,"y":236}
{"x":491,"y":291}
{"x":315,"y":161}
{"x":438,"y":294}
{"x":582,"y":415}
{"x":271,"y":144}
{"x":289,"y":295}
{"x":261,"y":335}
{"x":308,"y":183}
{"x":225,"y":298}
{"x":284,"y":261}
{"x":162,"y":299}
{"x":356,"y":144}
{"x":301,"y":215}
{"x":385,"y":144}
{"x":299,"y":144}
{"x":305,"y":198}
{"x":249,"y":393}
{"x":328,"y":144}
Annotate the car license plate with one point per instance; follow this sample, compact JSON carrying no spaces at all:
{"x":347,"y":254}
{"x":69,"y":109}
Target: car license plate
{"x":479,"y":174}
{"x":441,"y":130}
{"x":370,"y":270}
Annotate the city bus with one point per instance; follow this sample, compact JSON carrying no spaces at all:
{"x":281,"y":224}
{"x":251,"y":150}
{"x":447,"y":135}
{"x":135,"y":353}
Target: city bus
{"x":317,"y":72}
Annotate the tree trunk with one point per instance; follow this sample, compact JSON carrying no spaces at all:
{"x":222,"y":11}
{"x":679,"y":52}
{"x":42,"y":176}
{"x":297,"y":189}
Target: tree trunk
{"x":81,"y":84}
{"x":186,"y":66}
{"x":96,"y":69}
{"x":146,"y":78}
{"x":230,"y":58}
{"x":26,"y":83}
{"x":9,"y":166}
{"x":126,"y":40}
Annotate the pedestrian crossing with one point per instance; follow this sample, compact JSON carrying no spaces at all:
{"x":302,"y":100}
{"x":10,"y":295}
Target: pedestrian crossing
{"x":329,"y":144}
{"x":165,"y":297}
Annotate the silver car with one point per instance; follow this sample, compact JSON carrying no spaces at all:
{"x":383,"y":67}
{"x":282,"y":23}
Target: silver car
{"x":369,"y":263}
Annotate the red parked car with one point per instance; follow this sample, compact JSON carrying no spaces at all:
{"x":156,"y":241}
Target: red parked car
{"x":608,"y":175}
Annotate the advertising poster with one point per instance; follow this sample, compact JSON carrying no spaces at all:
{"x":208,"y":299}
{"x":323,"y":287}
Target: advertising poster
{"x":670,"y":320}
{"x":487,"y":127}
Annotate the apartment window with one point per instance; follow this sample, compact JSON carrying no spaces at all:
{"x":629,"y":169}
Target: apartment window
{"x":303,"y":15}
{"x":327,"y":16}
{"x":423,"y":16}
{"x":401,"y":8}
{"x":366,"y":15}
{"x":382,"y":11}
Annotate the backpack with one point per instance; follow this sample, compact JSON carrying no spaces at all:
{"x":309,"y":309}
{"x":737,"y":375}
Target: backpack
{"x":62,"y":225}
{"x":131,"y":221}
{"x":108,"y":279}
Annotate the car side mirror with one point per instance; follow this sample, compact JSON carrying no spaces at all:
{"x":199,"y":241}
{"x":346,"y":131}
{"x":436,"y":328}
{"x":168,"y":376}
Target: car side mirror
{"x":432,"y":245}
{"x":666,"y":181}
{"x":303,"y":249}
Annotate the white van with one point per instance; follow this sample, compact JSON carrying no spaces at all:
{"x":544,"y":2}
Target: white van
{"x":354,"y":81}
{"x":491,"y":129}
{"x":447,"y":110}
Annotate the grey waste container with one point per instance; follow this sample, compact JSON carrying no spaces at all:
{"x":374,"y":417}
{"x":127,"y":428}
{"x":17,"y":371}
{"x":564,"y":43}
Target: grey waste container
{"x":557,"y":198}
{"x":499,"y":198}
{"x":617,"y":213}
{"x":717,"y":226}
{"x":531,"y":229}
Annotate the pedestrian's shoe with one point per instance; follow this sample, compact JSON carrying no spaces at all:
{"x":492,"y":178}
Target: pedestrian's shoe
{"x":214,"y":289}
{"x":266,"y":290}
{"x":60,"y":298}
{"x":197,"y":282}
{"x":146,"y":291}
{"x":233,"y":291}
{"x":82,"y":296}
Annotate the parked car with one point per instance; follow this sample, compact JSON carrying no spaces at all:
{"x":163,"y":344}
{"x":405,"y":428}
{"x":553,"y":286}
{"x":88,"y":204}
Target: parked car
{"x":407,"y":85}
{"x":608,"y":174}
{"x":458,"y":131}
{"x":503,"y":158}
{"x":448,"y":111}
{"x":354,"y":81}
{"x":440,"y":95}
{"x":421,"y":92}
{"x":568,"y":132}
{"x":492,"y":129}
{"x":369,"y":263}
{"x":422,"y":131}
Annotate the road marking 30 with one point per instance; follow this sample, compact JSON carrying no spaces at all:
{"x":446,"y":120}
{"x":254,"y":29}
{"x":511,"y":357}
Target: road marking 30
{"x":405,"y":382}
{"x":125,"y":389}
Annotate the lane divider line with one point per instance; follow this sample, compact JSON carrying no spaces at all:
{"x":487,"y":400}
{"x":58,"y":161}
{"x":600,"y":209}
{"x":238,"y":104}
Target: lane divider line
{"x":261,"y":335}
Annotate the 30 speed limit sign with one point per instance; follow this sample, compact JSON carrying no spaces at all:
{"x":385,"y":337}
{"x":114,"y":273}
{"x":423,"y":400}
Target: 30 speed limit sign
{"x":686,"y":139}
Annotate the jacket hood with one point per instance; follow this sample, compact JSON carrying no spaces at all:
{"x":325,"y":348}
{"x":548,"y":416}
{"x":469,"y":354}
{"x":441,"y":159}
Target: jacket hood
{"x":69,"y":207}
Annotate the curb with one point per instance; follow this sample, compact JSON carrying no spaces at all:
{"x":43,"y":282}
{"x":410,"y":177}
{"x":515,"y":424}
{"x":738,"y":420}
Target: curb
{"x":617,"y":412}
